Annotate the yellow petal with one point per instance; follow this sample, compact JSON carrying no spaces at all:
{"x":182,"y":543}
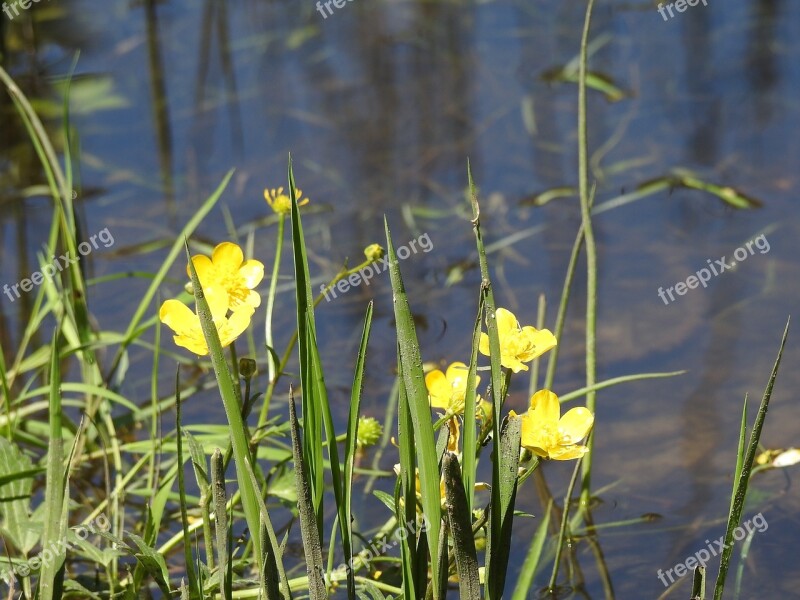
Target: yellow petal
{"x":194,"y":344}
{"x":539,"y":341}
{"x":483,"y":345}
{"x":227,"y":255}
{"x":457,"y":376}
{"x":238,"y":322}
{"x":177,"y":316}
{"x":217,"y":303}
{"x":568,"y":452}
{"x":506,"y":322}
{"x":576,"y":423}
{"x":204,"y":268}
{"x":510,"y":362}
{"x":534,"y":434}
{"x":252,"y":271}
{"x":438,"y":389}
{"x":253,"y":298}
{"x":545,"y":408}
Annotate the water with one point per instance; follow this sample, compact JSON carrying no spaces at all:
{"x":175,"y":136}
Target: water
{"x":380,"y":105}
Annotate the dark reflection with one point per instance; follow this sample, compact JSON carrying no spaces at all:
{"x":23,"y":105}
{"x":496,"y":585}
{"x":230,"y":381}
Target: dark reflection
{"x":703,"y":88}
{"x":762,"y":71}
{"x":160,"y":104}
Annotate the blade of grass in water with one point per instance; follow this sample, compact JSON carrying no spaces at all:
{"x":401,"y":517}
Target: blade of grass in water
{"x":531,"y":564}
{"x":351,"y":449}
{"x":460,"y":520}
{"x":469,"y":454}
{"x":308,"y":521}
{"x":221,"y":525}
{"x":742,"y":477}
{"x":503,"y":486}
{"x":591,"y":253}
{"x":55,"y":523}
{"x":417,"y":395}
{"x":194,"y":588}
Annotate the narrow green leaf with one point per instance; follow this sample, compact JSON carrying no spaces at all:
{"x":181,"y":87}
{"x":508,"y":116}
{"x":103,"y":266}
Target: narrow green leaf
{"x":470,"y":462}
{"x":55,"y":521}
{"x":743,"y":480}
{"x":460,"y":520}
{"x":418,"y":406}
{"x":221,"y":523}
{"x":306,"y":331}
{"x":16,"y":522}
{"x":532,"y":558}
{"x":308,"y":522}
{"x":351,"y":448}
{"x":194,"y":589}
{"x":699,"y":584}
{"x":407,"y":504}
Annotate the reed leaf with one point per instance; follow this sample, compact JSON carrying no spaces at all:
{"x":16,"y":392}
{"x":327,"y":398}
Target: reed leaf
{"x":460,"y":521}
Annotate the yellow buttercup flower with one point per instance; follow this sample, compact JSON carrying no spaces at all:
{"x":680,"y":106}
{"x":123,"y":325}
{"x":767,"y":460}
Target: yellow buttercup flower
{"x":227,"y":270}
{"x":281,"y":203}
{"x":518,"y":345}
{"x":550,"y":435}
{"x":448,"y":390}
{"x":186,"y":324}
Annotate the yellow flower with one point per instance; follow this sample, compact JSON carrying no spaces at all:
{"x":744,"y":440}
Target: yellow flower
{"x":227,"y":270}
{"x":186,"y":324}
{"x":374,"y":252}
{"x":518,"y":345}
{"x":447,"y":390}
{"x":281,"y":203}
{"x":548,"y":434}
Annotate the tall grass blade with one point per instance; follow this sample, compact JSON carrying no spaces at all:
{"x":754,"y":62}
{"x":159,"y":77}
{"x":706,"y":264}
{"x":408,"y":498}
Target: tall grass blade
{"x":532,"y":558}
{"x":469,"y":460}
{"x":55,"y":521}
{"x":311,"y":402}
{"x":419,"y":408}
{"x":351,"y":448}
{"x":308,"y":522}
{"x":503,"y":487}
{"x":742,"y":481}
{"x":219,"y":495}
{"x":194,"y":589}
{"x":413,"y":587}
{"x":460,"y":520}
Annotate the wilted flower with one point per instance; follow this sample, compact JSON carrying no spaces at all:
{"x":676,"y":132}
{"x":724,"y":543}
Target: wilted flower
{"x":186,"y":324}
{"x":281,"y":203}
{"x":518,"y":345}
{"x":227,"y":270}
{"x":549,"y":435}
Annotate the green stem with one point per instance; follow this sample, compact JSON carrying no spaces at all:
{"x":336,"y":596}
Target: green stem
{"x":564,"y":520}
{"x":591,"y":254}
{"x":273,"y":284}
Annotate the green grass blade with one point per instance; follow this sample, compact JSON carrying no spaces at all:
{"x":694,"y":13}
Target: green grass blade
{"x":460,"y":519}
{"x":740,"y":491}
{"x":308,"y":521}
{"x":532,"y":558}
{"x":407,"y":513}
{"x":351,"y":448}
{"x":194,"y":589}
{"x":55,"y":522}
{"x":470,"y":460}
{"x":225,"y":382}
{"x":496,"y":554}
{"x":417,"y":395}
{"x":306,"y":331}
{"x":699,"y":584}
{"x":221,"y":523}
